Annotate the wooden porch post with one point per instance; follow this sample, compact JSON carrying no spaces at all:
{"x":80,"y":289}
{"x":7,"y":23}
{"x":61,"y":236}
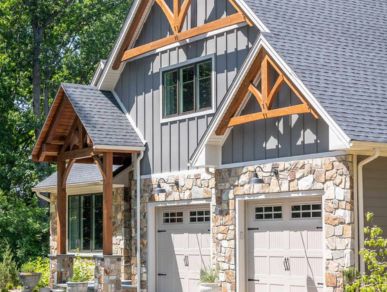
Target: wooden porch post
{"x":107,"y":203}
{"x":61,"y":208}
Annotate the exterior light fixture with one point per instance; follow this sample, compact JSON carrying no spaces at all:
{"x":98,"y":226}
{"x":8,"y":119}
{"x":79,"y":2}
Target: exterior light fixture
{"x":159,"y":189}
{"x":256,"y":179}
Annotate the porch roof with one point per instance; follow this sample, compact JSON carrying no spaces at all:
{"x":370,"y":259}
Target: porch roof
{"x":80,"y":173}
{"x":104,"y":120}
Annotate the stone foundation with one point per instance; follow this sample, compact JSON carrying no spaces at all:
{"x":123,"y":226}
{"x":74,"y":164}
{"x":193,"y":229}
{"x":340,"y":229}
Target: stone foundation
{"x":61,"y":269}
{"x":107,"y":273}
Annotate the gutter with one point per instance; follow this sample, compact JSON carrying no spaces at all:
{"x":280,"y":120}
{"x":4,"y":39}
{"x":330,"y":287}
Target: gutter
{"x":44,"y":198}
{"x":361,"y":199}
{"x":138,"y":211}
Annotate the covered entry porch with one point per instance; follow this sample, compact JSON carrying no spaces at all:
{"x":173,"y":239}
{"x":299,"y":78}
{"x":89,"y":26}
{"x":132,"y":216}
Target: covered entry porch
{"x":87,"y":126}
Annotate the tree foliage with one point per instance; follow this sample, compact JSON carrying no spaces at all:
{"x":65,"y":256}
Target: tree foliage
{"x":42,"y":43}
{"x":374,"y":255}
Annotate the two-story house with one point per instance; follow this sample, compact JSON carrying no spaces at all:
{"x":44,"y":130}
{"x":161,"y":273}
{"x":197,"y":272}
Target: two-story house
{"x":245,"y":135}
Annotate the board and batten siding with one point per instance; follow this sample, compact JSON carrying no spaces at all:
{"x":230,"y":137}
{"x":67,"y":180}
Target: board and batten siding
{"x":273,"y":138}
{"x":375,"y":191}
{"x":170,"y":144}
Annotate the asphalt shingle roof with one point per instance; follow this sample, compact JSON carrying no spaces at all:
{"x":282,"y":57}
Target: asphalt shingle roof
{"x":338,"y":49}
{"x":102,"y":116}
{"x":79,"y":174}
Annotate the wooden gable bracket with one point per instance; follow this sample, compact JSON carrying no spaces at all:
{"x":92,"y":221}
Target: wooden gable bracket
{"x":265,"y":97}
{"x":176,"y":19}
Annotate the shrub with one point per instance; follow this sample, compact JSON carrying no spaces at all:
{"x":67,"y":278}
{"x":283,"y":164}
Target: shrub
{"x":374,"y":255}
{"x":83,"y":270}
{"x":39,"y":265}
{"x":8,"y":271}
{"x":208,"y":275}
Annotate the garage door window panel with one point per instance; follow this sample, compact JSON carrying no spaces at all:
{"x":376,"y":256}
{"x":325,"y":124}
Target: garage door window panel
{"x":306,"y":211}
{"x":199,"y":216}
{"x":172,"y":217}
{"x":268,"y":213}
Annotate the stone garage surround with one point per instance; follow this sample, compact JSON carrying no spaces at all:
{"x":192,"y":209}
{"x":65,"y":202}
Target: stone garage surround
{"x":332,"y":176}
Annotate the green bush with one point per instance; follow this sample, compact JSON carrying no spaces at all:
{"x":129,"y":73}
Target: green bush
{"x":83,"y":270}
{"x":8,"y":271}
{"x":374,"y":255}
{"x":208,"y":275}
{"x":39,"y":265}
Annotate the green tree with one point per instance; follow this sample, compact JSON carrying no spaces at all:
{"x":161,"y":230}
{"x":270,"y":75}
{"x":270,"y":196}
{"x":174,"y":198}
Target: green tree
{"x":42,"y":43}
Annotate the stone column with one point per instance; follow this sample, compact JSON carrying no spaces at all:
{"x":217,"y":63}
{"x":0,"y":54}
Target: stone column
{"x":61,"y":269}
{"x":107,"y":273}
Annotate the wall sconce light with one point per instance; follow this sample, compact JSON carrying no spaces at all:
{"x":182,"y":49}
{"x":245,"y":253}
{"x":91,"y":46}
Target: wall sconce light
{"x":159,"y":189}
{"x":256,"y":179}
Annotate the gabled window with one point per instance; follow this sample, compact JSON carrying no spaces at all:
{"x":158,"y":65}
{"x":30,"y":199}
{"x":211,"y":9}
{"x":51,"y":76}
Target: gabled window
{"x":85,"y":223}
{"x":187,"y":89}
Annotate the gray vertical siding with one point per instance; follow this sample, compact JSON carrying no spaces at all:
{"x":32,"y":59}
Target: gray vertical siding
{"x":375,"y":191}
{"x":274,"y":138}
{"x":171,"y":144}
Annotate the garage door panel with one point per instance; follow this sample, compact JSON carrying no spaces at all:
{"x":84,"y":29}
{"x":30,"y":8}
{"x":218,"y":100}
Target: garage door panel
{"x":270,"y":242}
{"x":183,"y":248}
{"x":258,"y":266}
{"x":277,"y":239}
{"x":276,"y":266}
{"x":314,"y":240}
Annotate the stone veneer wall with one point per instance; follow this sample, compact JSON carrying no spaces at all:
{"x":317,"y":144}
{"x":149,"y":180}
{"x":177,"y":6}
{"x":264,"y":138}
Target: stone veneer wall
{"x":190,"y":186}
{"x":331,"y":175}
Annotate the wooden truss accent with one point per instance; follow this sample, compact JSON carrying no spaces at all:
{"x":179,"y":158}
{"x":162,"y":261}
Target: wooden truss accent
{"x":265,"y":97}
{"x":176,"y":19}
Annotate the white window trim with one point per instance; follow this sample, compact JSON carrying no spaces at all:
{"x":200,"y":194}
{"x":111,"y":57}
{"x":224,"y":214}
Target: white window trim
{"x":213,"y":92}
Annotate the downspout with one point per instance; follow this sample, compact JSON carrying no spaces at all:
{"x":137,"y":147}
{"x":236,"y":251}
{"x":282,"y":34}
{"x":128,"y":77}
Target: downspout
{"x":361,"y":199}
{"x":138,"y":211}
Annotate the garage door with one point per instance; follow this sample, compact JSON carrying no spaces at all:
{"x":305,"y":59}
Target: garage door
{"x":284,"y":247}
{"x":183,"y":247}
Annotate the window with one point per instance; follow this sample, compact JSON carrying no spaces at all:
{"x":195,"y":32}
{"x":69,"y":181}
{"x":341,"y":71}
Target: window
{"x":187,"y":89}
{"x":306,"y":211}
{"x":199,"y":216}
{"x":173,"y":217}
{"x":268,"y":213}
{"x":85,"y":223}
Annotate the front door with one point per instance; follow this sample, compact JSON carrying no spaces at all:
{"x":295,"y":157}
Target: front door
{"x":183,"y":247}
{"x":284,"y":246}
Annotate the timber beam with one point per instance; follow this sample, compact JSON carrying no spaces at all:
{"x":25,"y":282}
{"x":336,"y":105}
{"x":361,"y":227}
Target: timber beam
{"x":233,"y":19}
{"x":76,"y":154}
{"x":263,"y":67}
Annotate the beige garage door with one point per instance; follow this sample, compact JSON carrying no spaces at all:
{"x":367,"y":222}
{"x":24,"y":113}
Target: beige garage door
{"x":183,"y":247}
{"x":284,"y":246}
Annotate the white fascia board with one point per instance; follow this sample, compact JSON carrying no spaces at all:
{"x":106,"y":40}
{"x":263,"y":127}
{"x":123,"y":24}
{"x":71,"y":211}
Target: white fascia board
{"x":98,"y":72}
{"x":252,"y":16}
{"x":138,"y":132}
{"x":78,"y":189}
{"x":108,"y":67}
{"x":118,"y":148}
{"x":340,"y":140}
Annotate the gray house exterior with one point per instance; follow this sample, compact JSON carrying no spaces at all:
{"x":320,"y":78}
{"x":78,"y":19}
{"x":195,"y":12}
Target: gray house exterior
{"x":269,"y":182}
